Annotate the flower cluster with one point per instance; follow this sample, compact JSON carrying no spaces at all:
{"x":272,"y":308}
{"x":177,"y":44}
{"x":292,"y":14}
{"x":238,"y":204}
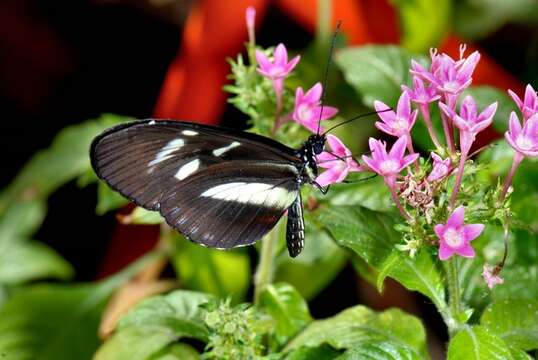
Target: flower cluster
{"x":429,"y":194}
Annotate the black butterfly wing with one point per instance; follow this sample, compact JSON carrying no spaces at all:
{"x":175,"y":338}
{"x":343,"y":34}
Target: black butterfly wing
{"x":219,"y":187}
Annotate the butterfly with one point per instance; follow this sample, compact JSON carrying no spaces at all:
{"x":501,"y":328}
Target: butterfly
{"x":219,"y":187}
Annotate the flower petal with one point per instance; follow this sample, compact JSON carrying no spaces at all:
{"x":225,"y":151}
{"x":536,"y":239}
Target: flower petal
{"x":409,"y":159}
{"x":263,"y":60}
{"x":314,"y":93}
{"x":337,"y":145}
{"x":293,"y":62}
{"x":330,"y":176}
{"x":472,"y":231}
{"x":466,"y":251}
{"x":468,"y":109}
{"x":514,"y":125}
{"x":445,"y":251}
{"x":487,"y":114}
{"x":404,"y":106}
{"x":371,"y":164}
{"x":531,"y":98}
{"x":398,"y":149}
{"x":280,"y":55}
{"x":456,"y":218}
{"x":516,"y":99}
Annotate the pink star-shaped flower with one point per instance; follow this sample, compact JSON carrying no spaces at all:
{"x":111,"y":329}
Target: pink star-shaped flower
{"x":468,"y":121}
{"x":397,"y":123}
{"x":390,"y":164}
{"x":440,"y":167}
{"x":339,"y":162}
{"x":491,"y":276}
{"x":455,"y":236}
{"x":529,"y":106}
{"x":308,"y":111}
{"x":420,"y":93}
{"x":523,"y":140}
{"x":278,"y":68}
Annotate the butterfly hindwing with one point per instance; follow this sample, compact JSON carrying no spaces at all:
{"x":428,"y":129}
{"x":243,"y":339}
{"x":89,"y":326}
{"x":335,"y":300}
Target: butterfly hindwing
{"x":219,"y":188}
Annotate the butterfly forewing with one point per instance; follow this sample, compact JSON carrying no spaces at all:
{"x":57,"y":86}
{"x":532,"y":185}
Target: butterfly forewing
{"x":218,"y":187}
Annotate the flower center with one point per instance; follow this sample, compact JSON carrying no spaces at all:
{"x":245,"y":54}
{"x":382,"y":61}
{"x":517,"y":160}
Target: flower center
{"x":305,"y":112}
{"x":524,"y":143}
{"x":389,"y":167}
{"x":453,"y":238}
{"x":400,"y":126}
{"x":276,"y":70}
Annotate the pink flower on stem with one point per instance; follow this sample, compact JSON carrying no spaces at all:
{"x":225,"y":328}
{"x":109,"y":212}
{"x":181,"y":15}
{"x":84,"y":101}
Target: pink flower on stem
{"x":468,"y":121}
{"x":524,"y":140}
{"x":455,"y":236}
{"x":308,"y":110}
{"x":491,"y":276}
{"x":397,"y":123}
{"x":277,"y":69}
{"x":529,"y":106}
{"x":440,"y":168}
{"x":390,"y":164}
{"x":338,"y":162}
{"x":423,"y":95}
{"x":420,"y":93}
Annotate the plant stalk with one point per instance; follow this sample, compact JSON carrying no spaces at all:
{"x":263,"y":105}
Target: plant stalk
{"x":453,"y":295}
{"x":264,"y":272}
{"x":508,"y":181}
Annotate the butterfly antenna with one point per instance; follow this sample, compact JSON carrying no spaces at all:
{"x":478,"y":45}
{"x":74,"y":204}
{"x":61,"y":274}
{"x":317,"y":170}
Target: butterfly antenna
{"x":326,"y":75}
{"x":357,"y":117}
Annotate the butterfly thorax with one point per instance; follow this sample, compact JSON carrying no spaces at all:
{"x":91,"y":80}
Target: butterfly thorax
{"x":313,"y":146}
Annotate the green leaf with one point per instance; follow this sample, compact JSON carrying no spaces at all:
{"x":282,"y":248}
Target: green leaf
{"x":156,"y":323}
{"x":424,"y":22}
{"x":371,"y":235}
{"x":487,"y":95}
{"x":321,"y":256}
{"x":381,"y":350}
{"x":177,"y":352}
{"x":287,"y":308}
{"x":322,"y":352}
{"x":518,"y":354}
{"x":514,"y":321}
{"x":108,"y":199}
{"x":376,"y":72}
{"x":218,"y":272}
{"x":51,"y":322}
{"x":475,"y":19}
{"x":57,"y":321}
{"x":142,"y":216}
{"x":21,"y":221}
{"x":66,"y":159}
{"x":359,"y":325}
{"x":26,"y":261}
{"x":477,"y":343}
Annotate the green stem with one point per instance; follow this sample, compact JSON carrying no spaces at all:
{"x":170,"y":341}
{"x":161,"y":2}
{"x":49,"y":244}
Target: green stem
{"x":264,"y":272}
{"x":453,"y":295}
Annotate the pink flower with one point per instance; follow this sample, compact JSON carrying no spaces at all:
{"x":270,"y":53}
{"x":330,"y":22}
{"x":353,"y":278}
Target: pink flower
{"x":276,"y":70}
{"x":440,"y":167}
{"x":491,"y":276}
{"x":339,"y":162}
{"x":469,"y":121}
{"x":523,"y":140}
{"x":397,"y":123}
{"x":279,"y":68}
{"x":308,"y":111}
{"x":420,"y":93}
{"x":529,"y":106}
{"x":449,"y":76}
{"x":455,"y":236}
{"x":390,"y":164}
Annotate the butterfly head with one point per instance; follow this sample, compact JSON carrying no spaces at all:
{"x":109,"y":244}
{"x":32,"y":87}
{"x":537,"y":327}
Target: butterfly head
{"x":317,"y":143}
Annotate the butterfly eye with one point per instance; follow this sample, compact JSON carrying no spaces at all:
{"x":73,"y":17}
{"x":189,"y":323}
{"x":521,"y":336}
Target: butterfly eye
{"x":318,"y":148}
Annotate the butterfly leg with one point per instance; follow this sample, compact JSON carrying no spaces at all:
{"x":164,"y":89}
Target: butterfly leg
{"x":324,"y":190}
{"x":295,"y":227}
